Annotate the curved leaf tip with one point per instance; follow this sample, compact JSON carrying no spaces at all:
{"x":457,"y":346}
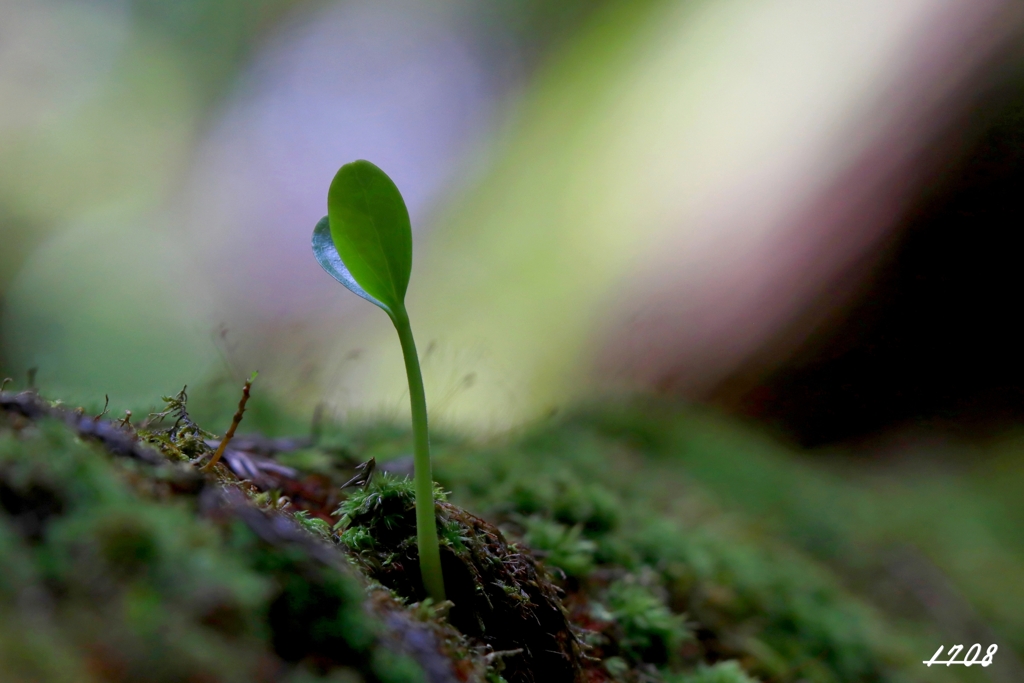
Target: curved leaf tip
{"x":327,"y":256}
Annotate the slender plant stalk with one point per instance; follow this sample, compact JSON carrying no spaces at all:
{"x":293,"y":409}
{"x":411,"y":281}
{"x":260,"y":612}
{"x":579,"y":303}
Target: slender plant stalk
{"x":235,"y":421}
{"x":423,"y":480}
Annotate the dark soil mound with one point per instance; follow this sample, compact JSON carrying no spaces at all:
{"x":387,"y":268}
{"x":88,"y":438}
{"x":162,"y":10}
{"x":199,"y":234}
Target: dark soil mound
{"x":499,"y":593}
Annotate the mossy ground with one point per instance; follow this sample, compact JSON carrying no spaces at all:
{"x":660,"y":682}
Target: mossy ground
{"x":660,"y":549}
{"x":500,"y":595}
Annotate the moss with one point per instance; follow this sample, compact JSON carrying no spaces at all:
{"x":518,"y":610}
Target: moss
{"x":313,"y":525}
{"x":805,"y":618}
{"x":499,"y":596}
{"x":748,"y":596}
{"x":381,"y":508}
{"x":650,"y":631}
{"x":136,"y":582}
{"x":100,"y":580}
{"x":723,"y":672}
{"x":560,"y":546}
{"x":184,"y":440}
{"x":676,"y":552}
{"x":566,"y":499}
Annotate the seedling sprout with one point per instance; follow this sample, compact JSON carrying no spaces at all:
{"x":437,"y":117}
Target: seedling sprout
{"x":365,"y":243}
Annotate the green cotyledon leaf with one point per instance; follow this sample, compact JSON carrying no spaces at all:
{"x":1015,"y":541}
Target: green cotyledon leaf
{"x":327,"y":256}
{"x":369,"y":224}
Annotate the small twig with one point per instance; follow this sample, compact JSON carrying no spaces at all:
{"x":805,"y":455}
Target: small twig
{"x":126,"y":421}
{"x":4,"y":383}
{"x":106,"y":405}
{"x":234,"y":425}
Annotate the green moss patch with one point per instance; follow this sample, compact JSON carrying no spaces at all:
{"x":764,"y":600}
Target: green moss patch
{"x":624,"y":544}
{"x":106,"y":576}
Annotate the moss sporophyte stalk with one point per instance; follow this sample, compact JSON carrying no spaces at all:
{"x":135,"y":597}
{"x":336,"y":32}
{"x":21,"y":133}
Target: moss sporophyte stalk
{"x":365,"y":243}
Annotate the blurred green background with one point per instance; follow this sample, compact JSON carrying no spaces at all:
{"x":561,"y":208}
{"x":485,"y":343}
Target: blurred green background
{"x":608,"y":197}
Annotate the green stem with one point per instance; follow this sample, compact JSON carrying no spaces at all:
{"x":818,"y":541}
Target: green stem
{"x":423,"y":481}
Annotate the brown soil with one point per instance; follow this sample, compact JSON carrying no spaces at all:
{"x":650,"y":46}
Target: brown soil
{"x":501,"y":596}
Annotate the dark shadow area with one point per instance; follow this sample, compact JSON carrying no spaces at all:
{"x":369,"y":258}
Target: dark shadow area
{"x":933,"y":341}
